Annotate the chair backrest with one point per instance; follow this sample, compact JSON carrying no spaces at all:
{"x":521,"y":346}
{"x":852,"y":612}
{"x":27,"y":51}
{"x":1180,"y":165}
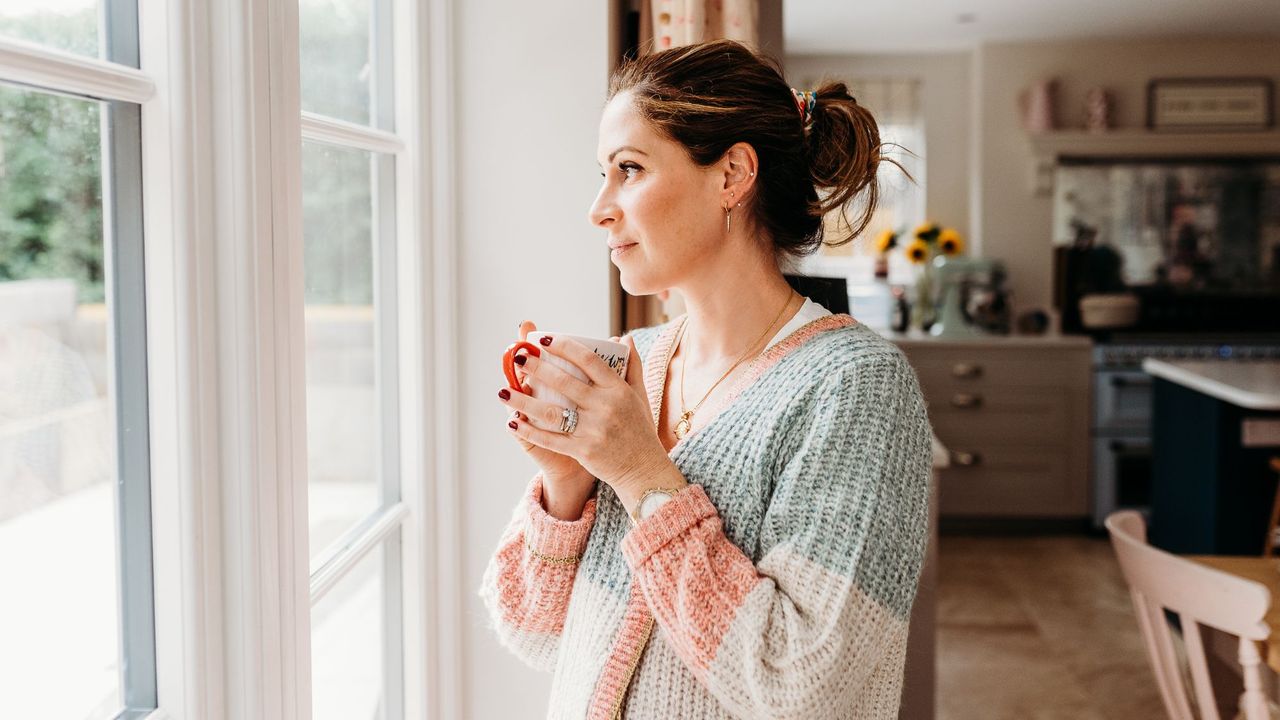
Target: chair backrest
{"x":1199,"y":595}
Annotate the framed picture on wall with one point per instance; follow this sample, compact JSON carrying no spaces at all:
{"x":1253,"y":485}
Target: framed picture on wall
{"x":1210,"y":104}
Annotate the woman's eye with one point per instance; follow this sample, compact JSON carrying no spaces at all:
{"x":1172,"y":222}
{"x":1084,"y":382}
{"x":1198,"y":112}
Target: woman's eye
{"x":629,"y":169}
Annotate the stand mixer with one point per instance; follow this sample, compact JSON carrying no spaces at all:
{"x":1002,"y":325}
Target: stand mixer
{"x":974,"y":301}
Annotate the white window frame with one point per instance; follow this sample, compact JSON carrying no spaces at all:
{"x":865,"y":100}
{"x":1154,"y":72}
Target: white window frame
{"x":222,"y":132}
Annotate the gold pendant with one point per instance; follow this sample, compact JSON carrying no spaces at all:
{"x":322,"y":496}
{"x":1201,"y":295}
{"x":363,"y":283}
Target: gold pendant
{"x":682,"y":426}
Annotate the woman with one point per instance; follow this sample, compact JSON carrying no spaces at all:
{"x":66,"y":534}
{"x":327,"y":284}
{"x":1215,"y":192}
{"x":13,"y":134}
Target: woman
{"x":735,"y":530}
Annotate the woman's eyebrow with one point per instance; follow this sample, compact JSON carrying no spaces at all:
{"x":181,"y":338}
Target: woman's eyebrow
{"x":633,"y":149}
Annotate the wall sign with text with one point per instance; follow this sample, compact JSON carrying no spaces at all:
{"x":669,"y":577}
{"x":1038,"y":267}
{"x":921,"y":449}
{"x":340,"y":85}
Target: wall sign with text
{"x":1211,"y":104}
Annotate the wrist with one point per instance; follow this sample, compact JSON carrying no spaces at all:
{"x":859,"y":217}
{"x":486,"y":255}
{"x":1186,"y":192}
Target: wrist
{"x":566,"y":503}
{"x":631,"y":490}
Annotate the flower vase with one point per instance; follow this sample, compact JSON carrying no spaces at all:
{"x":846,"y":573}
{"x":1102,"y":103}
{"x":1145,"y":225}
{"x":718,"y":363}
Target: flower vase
{"x":923,"y":312}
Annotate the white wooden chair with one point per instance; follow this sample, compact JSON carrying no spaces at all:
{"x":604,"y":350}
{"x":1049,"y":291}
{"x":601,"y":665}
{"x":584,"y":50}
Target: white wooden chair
{"x":1199,"y":595}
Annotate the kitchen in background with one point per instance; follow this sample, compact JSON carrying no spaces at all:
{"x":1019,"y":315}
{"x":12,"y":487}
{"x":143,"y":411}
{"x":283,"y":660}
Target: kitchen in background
{"x":1099,"y":233}
{"x":1175,"y":259}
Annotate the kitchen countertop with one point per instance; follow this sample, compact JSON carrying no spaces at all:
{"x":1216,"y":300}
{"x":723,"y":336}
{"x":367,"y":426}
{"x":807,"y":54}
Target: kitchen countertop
{"x":1046,"y":340}
{"x":1252,"y":384}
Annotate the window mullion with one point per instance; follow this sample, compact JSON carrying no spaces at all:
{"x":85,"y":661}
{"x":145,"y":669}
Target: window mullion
{"x":341,"y":133}
{"x":47,"y":69}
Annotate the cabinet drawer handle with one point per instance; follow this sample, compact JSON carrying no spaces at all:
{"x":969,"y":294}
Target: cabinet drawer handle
{"x":966,"y":400}
{"x":965,"y":459}
{"x":966,"y":370}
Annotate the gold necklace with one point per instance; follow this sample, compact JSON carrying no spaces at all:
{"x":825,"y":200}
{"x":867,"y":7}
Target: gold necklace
{"x":686,"y":416}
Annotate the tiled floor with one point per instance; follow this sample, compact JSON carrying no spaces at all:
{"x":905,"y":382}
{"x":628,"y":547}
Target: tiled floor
{"x":1033,"y":628}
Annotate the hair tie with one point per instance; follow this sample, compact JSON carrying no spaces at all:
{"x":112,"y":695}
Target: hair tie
{"x":806,"y":101}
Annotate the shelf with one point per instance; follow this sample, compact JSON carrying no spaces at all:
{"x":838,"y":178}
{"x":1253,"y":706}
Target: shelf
{"x":1147,"y":143}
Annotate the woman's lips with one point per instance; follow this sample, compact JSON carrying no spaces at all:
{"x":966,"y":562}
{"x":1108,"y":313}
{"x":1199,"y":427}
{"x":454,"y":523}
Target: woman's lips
{"x":621,"y":249}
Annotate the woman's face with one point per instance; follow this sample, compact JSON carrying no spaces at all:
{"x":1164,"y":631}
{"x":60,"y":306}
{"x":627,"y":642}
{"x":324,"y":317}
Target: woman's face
{"x":664,"y":214}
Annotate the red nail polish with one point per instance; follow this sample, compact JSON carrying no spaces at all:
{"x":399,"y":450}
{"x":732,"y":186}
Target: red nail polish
{"x":545,"y":341}
{"x":519,"y":359}
{"x":505,"y":394}
{"x":512,"y":425}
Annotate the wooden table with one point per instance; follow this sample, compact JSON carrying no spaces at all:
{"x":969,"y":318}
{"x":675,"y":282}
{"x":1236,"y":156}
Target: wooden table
{"x":1262,"y":570}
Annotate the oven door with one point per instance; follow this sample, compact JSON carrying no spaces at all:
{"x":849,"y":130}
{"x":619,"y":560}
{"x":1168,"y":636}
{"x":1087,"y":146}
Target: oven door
{"x":1123,"y":402}
{"x":1121,"y":475}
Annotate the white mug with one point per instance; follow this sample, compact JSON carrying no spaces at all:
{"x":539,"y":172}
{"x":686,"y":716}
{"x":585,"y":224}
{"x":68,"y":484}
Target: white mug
{"x":615,"y":355}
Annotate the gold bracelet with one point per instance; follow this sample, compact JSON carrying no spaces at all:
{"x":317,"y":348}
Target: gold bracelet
{"x":552,"y":559}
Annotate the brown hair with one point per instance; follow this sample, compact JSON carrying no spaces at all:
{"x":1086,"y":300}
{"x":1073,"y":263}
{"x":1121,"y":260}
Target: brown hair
{"x":711,"y":95}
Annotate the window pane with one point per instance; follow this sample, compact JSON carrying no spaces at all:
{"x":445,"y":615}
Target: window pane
{"x":70,"y":25}
{"x":337,"y":68}
{"x":59,"y":613}
{"x":347,"y":642}
{"x":343,"y":415}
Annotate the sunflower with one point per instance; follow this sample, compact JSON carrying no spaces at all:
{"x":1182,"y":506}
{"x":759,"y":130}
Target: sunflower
{"x":918,"y":251}
{"x":886,"y":240}
{"x":950,"y":242}
{"x":928,"y":232}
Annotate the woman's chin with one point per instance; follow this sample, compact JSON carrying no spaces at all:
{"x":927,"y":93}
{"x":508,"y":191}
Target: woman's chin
{"x":638,"y":286}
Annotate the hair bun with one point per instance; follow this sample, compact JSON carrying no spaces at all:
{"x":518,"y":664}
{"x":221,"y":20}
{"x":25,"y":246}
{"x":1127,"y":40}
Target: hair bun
{"x":844,"y":152}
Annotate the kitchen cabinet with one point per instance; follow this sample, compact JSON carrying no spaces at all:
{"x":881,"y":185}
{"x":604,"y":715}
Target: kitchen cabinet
{"x":1014,"y":414}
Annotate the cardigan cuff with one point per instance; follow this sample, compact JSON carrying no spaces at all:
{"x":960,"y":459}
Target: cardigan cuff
{"x":672,"y":519}
{"x":553,"y":539}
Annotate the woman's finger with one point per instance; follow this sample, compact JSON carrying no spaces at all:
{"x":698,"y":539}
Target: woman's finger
{"x":553,"y":378}
{"x":584,"y":358}
{"x":539,"y":412}
{"x":635,"y":368}
{"x":553,"y":441}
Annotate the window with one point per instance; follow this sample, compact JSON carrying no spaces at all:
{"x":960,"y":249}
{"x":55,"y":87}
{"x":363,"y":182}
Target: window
{"x":75,"y":486}
{"x":201,"y":508}
{"x":349,"y":156}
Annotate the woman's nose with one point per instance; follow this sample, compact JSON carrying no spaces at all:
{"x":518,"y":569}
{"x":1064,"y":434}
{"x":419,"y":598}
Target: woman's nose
{"x":603,"y":211}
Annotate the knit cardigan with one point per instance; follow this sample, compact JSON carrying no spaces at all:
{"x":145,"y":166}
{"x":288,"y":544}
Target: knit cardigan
{"x":778,"y":584}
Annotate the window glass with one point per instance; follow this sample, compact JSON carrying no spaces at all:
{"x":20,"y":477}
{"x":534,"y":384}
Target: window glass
{"x":59,"y":611}
{"x":70,"y":25}
{"x":336,"y":66}
{"x":347,"y":645}
{"x":342,"y":400}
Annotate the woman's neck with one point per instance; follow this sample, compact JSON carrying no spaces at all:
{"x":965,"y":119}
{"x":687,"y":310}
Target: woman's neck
{"x":735,"y":316}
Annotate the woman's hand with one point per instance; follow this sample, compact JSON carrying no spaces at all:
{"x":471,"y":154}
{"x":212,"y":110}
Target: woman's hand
{"x":566,"y":485}
{"x":615,"y":439}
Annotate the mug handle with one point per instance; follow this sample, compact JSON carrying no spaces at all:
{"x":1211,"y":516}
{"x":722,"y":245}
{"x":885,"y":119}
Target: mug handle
{"x":508,"y":361}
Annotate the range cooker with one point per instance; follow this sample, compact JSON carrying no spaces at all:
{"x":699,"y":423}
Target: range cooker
{"x":1121,"y":427}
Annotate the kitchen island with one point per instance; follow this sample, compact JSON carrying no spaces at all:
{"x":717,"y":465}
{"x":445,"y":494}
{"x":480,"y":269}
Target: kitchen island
{"x":1216,"y":427}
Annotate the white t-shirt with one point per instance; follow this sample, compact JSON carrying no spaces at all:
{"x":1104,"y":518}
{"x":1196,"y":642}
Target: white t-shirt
{"x":807,"y":313}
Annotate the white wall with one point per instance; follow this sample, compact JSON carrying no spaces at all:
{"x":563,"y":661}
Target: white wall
{"x":945,"y":102}
{"x":530,"y":82}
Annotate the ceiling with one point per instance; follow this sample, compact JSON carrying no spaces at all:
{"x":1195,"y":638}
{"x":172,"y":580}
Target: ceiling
{"x":888,"y":26}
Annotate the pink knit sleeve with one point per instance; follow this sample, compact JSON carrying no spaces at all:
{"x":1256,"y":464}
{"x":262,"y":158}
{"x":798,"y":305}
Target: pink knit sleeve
{"x":529,"y":578}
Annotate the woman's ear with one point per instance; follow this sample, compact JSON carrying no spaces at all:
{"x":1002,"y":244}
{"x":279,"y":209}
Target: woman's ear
{"x":739,"y":166}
